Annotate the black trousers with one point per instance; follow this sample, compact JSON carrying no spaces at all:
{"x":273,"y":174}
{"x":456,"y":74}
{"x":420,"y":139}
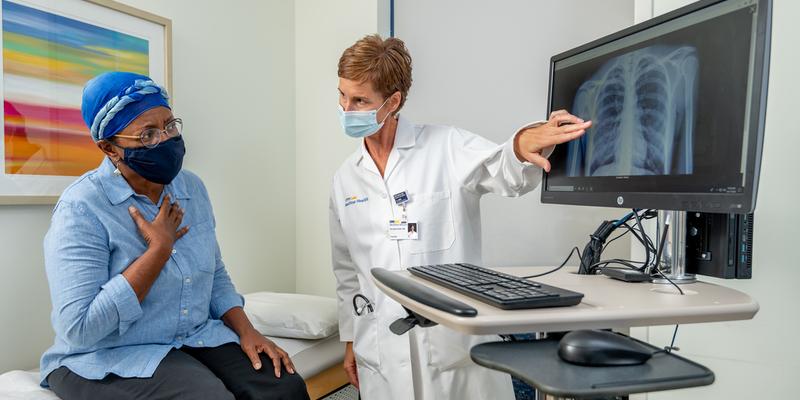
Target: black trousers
{"x":215,"y":373}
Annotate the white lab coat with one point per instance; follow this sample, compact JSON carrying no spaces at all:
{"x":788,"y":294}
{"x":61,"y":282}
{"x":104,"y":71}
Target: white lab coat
{"x":445,"y":171}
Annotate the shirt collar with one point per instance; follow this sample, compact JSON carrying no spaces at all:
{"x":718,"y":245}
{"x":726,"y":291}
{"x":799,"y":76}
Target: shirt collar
{"x":405,"y":137}
{"x":118,"y":190}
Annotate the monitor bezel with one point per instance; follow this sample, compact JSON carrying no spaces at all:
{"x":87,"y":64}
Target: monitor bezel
{"x":739,"y":203}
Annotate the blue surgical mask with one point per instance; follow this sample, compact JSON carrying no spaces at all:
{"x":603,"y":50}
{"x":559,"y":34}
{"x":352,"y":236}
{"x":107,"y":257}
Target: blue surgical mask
{"x":359,"y":124}
{"x":160,"y":164}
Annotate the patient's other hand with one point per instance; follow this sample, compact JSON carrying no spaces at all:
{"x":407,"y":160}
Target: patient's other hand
{"x":350,"y":364}
{"x":253,"y":343}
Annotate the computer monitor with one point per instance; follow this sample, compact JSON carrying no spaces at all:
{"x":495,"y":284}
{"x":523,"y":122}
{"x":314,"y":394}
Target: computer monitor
{"x":678,"y":104}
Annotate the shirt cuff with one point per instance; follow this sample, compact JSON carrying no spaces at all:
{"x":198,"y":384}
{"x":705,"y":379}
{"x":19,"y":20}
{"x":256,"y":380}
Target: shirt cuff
{"x":222,"y":304}
{"x":346,"y":325}
{"x":124,"y":298}
{"x":509,"y":148}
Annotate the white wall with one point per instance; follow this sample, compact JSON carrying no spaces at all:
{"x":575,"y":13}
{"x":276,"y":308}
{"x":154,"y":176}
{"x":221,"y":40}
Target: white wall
{"x":484,"y":66}
{"x":323,"y":29}
{"x":758,"y":359}
{"x":24,"y":298}
{"x":234,"y":87}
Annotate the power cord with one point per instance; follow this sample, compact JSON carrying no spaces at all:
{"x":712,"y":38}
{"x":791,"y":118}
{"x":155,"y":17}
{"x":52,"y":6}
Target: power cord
{"x":597,"y":243}
{"x":658,"y":256}
{"x":615,"y":238}
{"x":599,"y":266}
{"x":591,"y":261}
{"x":671,"y":346}
{"x":658,"y":269}
{"x":594,"y":248}
{"x":574,"y":250}
{"x":622,"y":222}
{"x":647,"y":243}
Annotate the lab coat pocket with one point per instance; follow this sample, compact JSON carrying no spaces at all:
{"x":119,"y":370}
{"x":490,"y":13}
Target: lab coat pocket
{"x":365,"y":326}
{"x":434,"y":213}
{"x":365,"y":342}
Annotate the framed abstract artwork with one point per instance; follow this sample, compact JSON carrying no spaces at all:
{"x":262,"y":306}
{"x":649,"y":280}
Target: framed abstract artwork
{"x":50,"y":49}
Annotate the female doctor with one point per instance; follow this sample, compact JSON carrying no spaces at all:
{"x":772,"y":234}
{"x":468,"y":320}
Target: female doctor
{"x":433,"y":176}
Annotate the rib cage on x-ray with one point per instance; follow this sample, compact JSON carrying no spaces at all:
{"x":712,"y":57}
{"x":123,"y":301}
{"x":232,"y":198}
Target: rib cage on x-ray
{"x":642,"y":104}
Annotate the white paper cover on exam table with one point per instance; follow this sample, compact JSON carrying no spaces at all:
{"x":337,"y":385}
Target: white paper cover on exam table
{"x":458,"y":168}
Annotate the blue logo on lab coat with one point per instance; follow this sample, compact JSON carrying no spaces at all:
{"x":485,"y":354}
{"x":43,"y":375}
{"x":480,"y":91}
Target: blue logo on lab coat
{"x":348,"y":201}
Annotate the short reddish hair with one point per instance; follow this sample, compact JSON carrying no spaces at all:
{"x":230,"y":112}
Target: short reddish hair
{"x":386,"y":64}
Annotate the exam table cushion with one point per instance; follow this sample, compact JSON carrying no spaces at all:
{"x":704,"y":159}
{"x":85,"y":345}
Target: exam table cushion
{"x":292,"y":315}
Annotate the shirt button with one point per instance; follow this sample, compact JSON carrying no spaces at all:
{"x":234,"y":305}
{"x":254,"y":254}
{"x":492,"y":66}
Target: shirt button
{"x":174,"y":251}
{"x":185,"y":311}
{"x":179,"y":338}
{"x":188,"y":280}
{"x":200,"y":342}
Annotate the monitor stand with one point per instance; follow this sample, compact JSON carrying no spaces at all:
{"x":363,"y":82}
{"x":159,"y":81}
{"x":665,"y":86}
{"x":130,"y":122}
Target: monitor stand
{"x":673,"y":256}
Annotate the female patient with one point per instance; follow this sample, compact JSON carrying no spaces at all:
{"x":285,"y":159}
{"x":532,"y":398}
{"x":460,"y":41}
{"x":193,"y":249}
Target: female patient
{"x":142,"y":305}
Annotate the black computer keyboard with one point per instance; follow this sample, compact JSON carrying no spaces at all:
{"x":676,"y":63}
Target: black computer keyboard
{"x":496,"y":288}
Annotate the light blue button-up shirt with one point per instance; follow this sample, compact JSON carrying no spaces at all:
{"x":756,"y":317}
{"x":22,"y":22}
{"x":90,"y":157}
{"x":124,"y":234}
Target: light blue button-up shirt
{"x":100,"y":326}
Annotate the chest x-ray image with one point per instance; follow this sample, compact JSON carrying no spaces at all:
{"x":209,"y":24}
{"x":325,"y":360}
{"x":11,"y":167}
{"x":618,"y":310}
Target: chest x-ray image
{"x":643,"y":106}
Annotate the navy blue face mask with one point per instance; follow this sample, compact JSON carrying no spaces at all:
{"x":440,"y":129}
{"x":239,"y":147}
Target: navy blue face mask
{"x":160,"y":164}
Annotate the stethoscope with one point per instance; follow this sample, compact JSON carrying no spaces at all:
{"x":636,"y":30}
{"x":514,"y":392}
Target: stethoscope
{"x":365,"y":305}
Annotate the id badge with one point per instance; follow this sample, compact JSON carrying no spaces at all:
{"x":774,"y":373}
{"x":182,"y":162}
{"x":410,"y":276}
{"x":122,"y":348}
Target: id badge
{"x":398,"y":229}
{"x":403,"y":230}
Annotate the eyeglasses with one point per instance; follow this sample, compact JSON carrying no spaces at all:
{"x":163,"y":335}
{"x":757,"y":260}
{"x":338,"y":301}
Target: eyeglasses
{"x":151,"y":137}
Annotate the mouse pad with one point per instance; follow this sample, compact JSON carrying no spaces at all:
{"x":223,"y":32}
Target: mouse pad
{"x":538,"y":364}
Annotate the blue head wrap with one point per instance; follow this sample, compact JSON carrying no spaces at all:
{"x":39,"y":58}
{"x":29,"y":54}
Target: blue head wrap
{"x":113,"y":99}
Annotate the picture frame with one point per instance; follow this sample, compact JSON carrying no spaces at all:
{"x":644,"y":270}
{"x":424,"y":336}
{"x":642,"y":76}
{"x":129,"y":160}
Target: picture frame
{"x":50,"y":50}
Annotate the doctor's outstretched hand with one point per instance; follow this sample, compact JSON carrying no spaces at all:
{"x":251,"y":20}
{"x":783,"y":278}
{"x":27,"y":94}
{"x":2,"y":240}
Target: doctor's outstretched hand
{"x":560,"y":128}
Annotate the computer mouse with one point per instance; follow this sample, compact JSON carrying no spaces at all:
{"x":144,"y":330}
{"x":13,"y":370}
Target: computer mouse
{"x":602,"y":348}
